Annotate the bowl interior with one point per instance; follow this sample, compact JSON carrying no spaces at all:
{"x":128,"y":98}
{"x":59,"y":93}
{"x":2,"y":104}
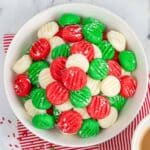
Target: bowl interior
{"x":28,"y":33}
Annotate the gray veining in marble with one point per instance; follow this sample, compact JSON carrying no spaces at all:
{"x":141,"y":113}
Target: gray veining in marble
{"x":14,"y":13}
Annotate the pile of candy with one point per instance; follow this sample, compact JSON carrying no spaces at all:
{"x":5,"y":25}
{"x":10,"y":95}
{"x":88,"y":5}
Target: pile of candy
{"x":76,"y":76}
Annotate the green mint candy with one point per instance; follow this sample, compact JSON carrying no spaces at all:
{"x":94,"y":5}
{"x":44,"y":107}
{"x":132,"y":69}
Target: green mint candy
{"x":80,"y":98}
{"x":39,"y":99}
{"x":43,"y":121}
{"x":35,"y":69}
{"x":128,"y":60}
{"x":98,"y":69}
{"x":107,"y":50}
{"x":92,"y":32}
{"x":56,"y":113}
{"x":27,"y":50}
{"x":89,"y":128}
{"x":68,"y":19}
{"x":24,"y":99}
{"x":117,"y":101}
{"x":61,"y":50}
{"x":89,"y":20}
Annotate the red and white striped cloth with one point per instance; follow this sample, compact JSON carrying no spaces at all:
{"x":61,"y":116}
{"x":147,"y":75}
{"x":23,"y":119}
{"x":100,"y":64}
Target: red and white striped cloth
{"x":29,"y":141}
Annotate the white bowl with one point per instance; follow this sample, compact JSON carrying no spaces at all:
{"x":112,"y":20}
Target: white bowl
{"x":27,"y":34}
{"x":139,"y":132}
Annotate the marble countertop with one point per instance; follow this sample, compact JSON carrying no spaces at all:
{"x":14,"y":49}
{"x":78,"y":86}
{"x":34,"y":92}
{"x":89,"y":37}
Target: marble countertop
{"x":14,"y":13}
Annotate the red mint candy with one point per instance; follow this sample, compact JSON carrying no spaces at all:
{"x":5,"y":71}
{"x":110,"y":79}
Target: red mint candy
{"x":56,"y":93}
{"x":114,"y":68}
{"x":83,"y":47}
{"x":99,"y":107}
{"x":50,"y":111}
{"x":128,"y":86}
{"x":57,"y":67}
{"x":22,"y":85}
{"x":116,"y":56}
{"x":105,"y":35}
{"x":59,"y":33}
{"x":74,"y":78}
{"x":69,"y":121}
{"x":72,"y":33}
{"x":40,"y":49}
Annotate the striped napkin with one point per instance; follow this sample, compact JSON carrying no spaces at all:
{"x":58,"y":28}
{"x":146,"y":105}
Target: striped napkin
{"x":18,"y":137}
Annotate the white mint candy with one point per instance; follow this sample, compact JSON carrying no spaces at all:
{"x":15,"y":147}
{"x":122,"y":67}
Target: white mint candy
{"x":110,"y":119}
{"x":22,"y":64}
{"x":77,"y":60}
{"x":45,"y":78}
{"x":83,"y":112}
{"x":123,"y":72}
{"x":117,"y":40}
{"x":93,"y":85}
{"x":48,"y":30}
{"x":31,"y":110}
{"x":97,"y":52}
{"x":56,"y":41}
{"x":65,"y":106}
{"x":110,"y":86}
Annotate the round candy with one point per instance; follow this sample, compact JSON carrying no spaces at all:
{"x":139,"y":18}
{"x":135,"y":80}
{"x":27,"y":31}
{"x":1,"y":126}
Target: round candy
{"x":117,"y":101}
{"x":56,"y":41}
{"x":48,"y":30}
{"x":45,"y":78}
{"x":99,"y":107}
{"x":34,"y":70}
{"x":69,"y":121}
{"x":93,"y":85}
{"x":117,"y":40}
{"x":57,"y":67}
{"x":40,"y":49}
{"x":89,"y":128}
{"x":59,"y":33}
{"x":43,"y":121}
{"x":116,"y":56}
{"x":98,"y":69}
{"x":105,"y":36}
{"x":61,"y":50}
{"x":77,"y":60}
{"x":110,"y":86}
{"x":72,"y":33}
{"x":92,"y":32}
{"x":90,"y":20}
{"x":110,"y":119}
{"x":128,"y":60}
{"x":83,"y":47}
{"x":27,"y":50}
{"x":50,"y":110}
{"x":56,"y":93}
{"x":114,"y":68}
{"x":65,"y":106}
{"x":74,"y":78}
{"x":22,"y":64}
{"x":68,"y":19}
{"x":83,"y":112}
{"x":123,"y":72}
{"x":128,"y":86}
{"x":107,"y":50}
{"x":97,"y":51}
{"x":56,"y":113}
{"x":22,"y":85}
{"x":24,"y":99}
{"x":80,"y":98}
{"x":31,"y":110}
{"x":39,"y":99}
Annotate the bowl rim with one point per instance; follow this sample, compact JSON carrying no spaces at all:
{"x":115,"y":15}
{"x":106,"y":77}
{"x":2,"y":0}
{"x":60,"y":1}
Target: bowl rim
{"x":73,"y":4}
